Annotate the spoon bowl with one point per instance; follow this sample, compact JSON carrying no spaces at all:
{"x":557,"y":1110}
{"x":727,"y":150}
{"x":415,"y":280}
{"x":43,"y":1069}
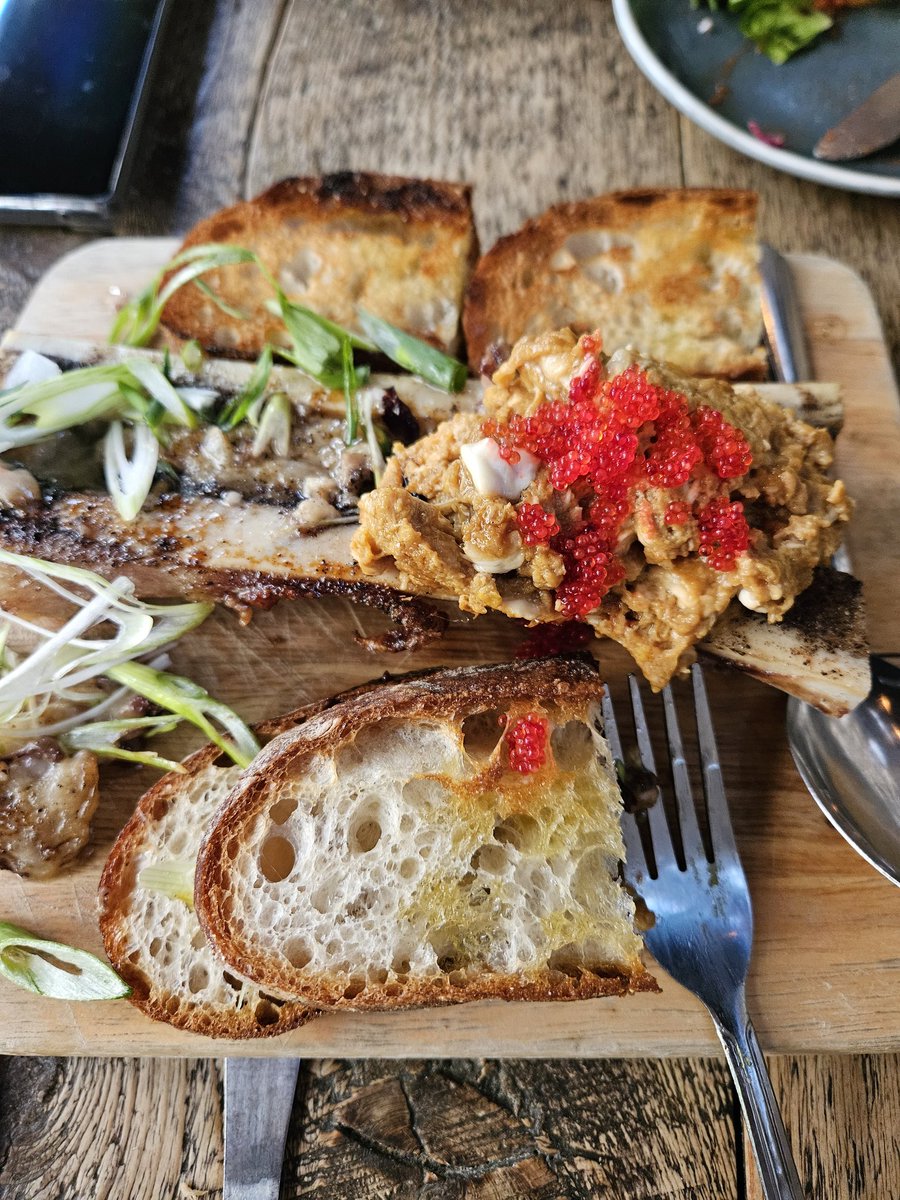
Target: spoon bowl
{"x":851,"y":766}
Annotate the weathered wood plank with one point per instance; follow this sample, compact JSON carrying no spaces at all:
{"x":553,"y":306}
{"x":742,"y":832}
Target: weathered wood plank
{"x":532,"y":101}
{"x":842,"y":1115}
{"x":114,"y":1129}
{"x":503,"y":1130}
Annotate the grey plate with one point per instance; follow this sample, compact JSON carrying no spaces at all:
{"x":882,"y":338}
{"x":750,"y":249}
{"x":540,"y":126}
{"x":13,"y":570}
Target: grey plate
{"x":802,"y":99}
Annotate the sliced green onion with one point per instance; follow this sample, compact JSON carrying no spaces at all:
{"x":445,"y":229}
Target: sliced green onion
{"x":349,"y":381}
{"x":102,"y":739}
{"x":192,"y":356}
{"x":54,"y":969}
{"x":129,"y":480}
{"x":228,"y":309}
{"x":60,"y":403}
{"x":356,"y":340}
{"x":238,"y":409}
{"x":274,"y":428}
{"x":366,"y":400}
{"x":194,"y":704}
{"x":414,"y":355}
{"x":173,"y":878}
{"x":198,"y":399}
{"x":138,"y":321}
{"x":315,"y":347}
{"x":67,"y":657}
{"x":155,"y":382}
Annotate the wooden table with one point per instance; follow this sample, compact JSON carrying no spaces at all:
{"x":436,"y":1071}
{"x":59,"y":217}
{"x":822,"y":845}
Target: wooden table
{"x":534,"y":101}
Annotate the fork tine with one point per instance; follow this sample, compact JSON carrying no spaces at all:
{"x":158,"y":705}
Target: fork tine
{"x":663,"y":850}
{"x":691,"y":841}
{"x":721,"y":833}
{"x":634,"y":849}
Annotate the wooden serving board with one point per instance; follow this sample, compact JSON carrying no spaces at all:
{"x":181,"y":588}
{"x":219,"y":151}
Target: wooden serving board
{"x":826,"y":969}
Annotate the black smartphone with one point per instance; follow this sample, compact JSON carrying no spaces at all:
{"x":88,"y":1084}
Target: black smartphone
{"x":74,"y":76}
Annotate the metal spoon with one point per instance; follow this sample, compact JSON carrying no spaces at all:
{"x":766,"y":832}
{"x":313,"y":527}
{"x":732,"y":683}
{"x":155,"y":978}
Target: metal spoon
{"x":850,"y":764}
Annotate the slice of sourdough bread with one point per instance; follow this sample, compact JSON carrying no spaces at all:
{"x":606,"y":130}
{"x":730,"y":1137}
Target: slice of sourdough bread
{"x":152,"y":935}
{"x":673,"y":271}
{"x":401,"y":248}
{"x":385,"y":855}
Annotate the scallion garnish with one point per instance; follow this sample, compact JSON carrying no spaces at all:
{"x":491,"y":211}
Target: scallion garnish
{"x":274,"y":427}
{"x":192,"y":356}
{"x":414,"y":355}
{"x":222,"y":305}
{"x":69,"y":658}
{"x":253,"y":391}
{"x":194,"y":704}
{"x":103,"y":739}
{"x":348,"y":379}
{"x":54,"y":969}
{"x":174,"y":877}
{"x":129,"y":480}
{"x":138,"y":320}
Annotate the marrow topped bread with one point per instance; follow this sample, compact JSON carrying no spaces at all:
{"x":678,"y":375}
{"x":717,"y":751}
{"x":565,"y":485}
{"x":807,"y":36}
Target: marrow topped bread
{"x":614,"y":491}
{"x":450,"y":837}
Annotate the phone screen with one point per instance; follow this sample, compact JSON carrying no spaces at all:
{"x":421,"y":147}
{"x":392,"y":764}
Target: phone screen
{"x":68,"y":74}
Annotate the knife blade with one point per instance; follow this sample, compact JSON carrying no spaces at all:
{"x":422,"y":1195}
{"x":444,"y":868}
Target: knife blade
{"x":259,"y":1096}
{"x":781,"y":319}
{"x":872,"y":125}
{"x":788,"y":349}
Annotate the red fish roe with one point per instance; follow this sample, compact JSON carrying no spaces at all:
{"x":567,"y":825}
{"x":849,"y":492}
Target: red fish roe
{"x":535,"y":524}
{"x":561,"y":637}
{"x":526,"y":743}
{"x":677,"y":513}
{"x":724,"y":533}
{"x":611,"y":437}
{"x":725,"y":448}
{"x":591,"y":570}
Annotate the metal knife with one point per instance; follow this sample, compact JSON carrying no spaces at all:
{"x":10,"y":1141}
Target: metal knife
{"x":785,"y":335}
{"x":259,"y":1096}
{"x":871,"y":126}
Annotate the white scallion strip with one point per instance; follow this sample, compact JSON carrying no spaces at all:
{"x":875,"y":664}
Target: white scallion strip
{"x":67,"y":657}
{"x":194,"y":704}
{"x":173,"y":878}
{"x":152,"y":378}
{"x":31,"y":367}
{"x":198,"y":399}
{"x":366,"y":399}
{"x":129,"y":480}
{"x":274,"y":428}
{"x":54,"y":969}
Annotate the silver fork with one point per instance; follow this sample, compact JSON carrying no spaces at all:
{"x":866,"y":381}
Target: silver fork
{"x":704,"y":922}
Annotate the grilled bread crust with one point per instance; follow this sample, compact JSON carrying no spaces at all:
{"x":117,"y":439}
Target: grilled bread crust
{"x":672,"y":271}
{"x":402,"y":248}
{"x":568,"y":688}
{"x":127,"y":935}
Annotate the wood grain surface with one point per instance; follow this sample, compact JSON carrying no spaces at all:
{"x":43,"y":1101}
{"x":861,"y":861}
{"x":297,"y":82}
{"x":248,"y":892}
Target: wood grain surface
{"x":254,"y":89}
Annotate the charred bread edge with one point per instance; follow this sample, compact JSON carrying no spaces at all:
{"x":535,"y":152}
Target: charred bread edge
{"x":412,"y":201}
{"x":116,"y":887}
{"x":568,"y":683}
{"x":620,"y":209}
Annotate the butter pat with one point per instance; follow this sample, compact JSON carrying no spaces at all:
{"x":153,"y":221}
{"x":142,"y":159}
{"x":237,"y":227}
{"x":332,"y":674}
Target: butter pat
{"x":493,"y":475}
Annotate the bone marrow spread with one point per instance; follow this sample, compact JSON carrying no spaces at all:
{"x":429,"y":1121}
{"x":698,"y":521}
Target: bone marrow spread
{"x":648,"y":501}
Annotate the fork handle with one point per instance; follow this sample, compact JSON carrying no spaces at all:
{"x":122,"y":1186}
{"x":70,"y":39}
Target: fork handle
{"x":768,"y":1138}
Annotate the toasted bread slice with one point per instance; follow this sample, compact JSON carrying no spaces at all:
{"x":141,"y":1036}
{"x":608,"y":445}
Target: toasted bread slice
{"x":673,"y":271}
{"x":152,"y":936}
{"x":385,"y":855}
{"x":401,"y":248}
